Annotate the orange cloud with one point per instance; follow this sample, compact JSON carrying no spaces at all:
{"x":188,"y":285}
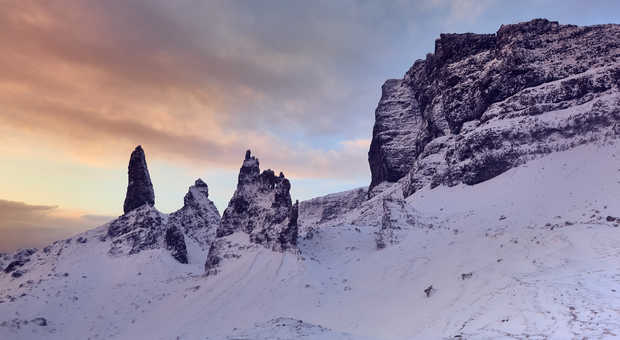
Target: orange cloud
{"x":94,"y":79}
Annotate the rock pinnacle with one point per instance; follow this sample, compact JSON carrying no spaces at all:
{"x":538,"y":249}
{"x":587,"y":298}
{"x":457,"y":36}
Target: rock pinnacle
{"x":140,"y":189}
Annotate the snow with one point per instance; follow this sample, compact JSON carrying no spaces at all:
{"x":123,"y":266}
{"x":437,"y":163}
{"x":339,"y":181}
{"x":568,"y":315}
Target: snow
{"x":544,"y":263}
{"x":287,"y":328}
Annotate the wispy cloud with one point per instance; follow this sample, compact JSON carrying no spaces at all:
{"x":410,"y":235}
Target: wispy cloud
{"x":199,"y":82}
{"x":195,"y":84}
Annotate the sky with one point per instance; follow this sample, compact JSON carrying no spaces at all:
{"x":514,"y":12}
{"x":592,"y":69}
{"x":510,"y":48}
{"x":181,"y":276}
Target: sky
{"x":196,"y":83}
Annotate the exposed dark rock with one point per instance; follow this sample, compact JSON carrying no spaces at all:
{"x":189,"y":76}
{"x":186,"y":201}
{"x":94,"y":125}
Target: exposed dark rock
{"x":140,"y":189}
{"x":484,"y":103}
{"x":175,"y":242}
{"x":288,"y":236}
{"x":198,"y":218}
{"x":429,"y":290}
{"x":14,"y":265}
{"x":143,"y":227}
{"x":146,"y":228}
{"x":261,"y":207}
{"x":214,"y":257}
{"x":140,"y":229}
{"x":466,"y":276}
{"x":25,"y":253}
{"x":40,"y":321}
{"x":18,"y":260}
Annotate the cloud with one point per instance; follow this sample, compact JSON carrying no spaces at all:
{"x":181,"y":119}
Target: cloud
{"x":196,"y":84}
{"x":24,"y":225}
{"x":469,"y":10}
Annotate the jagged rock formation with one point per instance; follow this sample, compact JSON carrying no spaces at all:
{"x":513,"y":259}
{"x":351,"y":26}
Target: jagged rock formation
{"x":144,"y":227}
{"x":198,"y":218}
{"x":261,"y":207}
{"x":140,"y":189}
{"x":140,"y":229}
{"x":260,"y":213}
{"x":484,"y":103}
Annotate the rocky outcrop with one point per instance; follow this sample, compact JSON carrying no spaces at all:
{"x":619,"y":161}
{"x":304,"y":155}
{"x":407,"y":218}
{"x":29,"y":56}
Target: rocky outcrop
{"x":144,"y":227}
{"x":140,"y":189}
{"x":198,"y":218}
{"x":175,"y":243}
{"x":261,"y":207}
{"x":140,"y":229}
{"x":329,"y":208}
{"x":484,"y":103}
{"x":288,"y":236}
{"x":15,"y":262}
{"x":260,"y":214}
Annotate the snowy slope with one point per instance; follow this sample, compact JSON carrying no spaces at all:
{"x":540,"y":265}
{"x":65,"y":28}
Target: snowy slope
{"x":543,"y":257}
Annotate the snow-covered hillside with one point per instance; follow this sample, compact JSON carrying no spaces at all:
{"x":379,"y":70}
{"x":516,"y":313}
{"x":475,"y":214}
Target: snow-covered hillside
{"x":493,"y":212}
{"x":531,"y":253}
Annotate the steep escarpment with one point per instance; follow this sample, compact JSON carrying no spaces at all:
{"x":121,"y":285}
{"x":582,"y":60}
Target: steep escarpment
{"x":484,"y":103}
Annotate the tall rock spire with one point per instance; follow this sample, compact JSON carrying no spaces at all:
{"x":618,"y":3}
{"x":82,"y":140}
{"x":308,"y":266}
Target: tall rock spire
{"x":140,"y":189}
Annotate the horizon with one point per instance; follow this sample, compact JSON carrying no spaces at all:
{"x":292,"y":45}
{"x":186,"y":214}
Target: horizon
{"x":196,"y":86}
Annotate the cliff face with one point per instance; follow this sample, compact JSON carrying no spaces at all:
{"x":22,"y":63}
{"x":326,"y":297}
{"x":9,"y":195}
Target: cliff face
{"x":261,"y":207}
{"x":198,"y":218}
{"x":483,"y":103}
{"x":260,"y":214}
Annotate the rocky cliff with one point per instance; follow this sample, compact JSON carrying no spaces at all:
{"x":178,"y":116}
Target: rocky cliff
{"x":260,"y":214}
{"x":484,"y":103}
{"x":261,"y":207}
{"x":198,"y":218}
{"x":143,"y":227}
